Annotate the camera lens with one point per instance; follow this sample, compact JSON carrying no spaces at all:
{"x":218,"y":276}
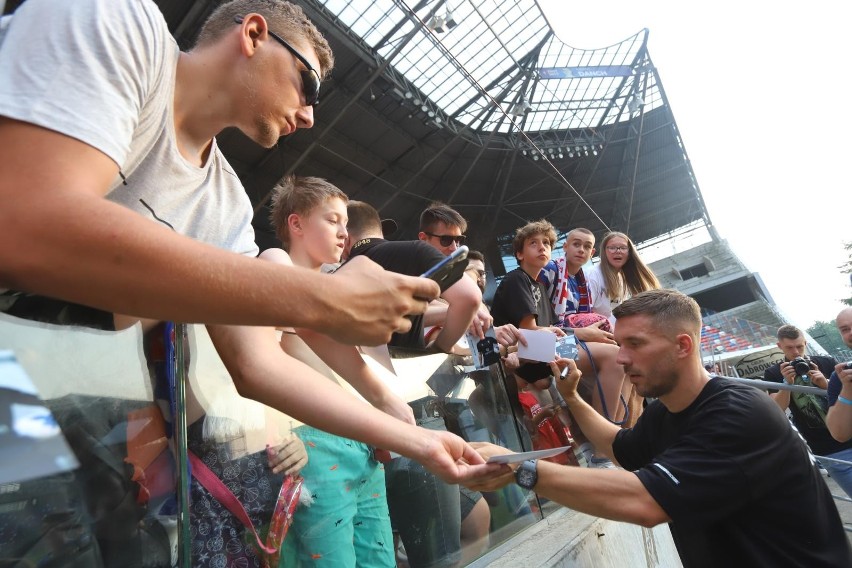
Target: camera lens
{"x":801,"y":366}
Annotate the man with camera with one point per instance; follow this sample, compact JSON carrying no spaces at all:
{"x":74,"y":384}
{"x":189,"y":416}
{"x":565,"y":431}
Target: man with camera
{"x":808,"y":411}
{"x":839,"y":418}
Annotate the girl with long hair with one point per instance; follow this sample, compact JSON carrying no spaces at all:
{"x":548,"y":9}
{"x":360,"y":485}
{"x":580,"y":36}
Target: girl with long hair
{"x":619,"y":275}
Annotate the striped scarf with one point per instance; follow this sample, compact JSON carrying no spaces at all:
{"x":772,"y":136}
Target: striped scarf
{"x":580,"y":291}
{"x":568,"y":294}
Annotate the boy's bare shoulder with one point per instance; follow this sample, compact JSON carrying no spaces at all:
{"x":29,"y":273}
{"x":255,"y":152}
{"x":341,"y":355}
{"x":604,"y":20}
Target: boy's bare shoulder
{"x":276,"y":255}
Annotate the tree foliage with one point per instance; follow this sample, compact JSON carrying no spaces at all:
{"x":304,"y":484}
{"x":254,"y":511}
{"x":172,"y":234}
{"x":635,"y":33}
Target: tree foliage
{"x":825,"y":333}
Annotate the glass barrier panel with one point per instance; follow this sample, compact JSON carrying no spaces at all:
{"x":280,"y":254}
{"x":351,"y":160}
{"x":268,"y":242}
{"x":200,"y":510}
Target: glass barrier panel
{"x":88,"y":476}
{"x":237,"y":441}
{"x":447,"y":392}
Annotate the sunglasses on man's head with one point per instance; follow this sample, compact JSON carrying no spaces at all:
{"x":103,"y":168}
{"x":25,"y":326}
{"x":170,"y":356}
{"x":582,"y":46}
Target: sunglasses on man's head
{"x":447,"y":240}
{"x":310,"y":76}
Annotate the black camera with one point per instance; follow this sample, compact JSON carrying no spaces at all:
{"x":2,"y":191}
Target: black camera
{"x":801,"y":366}
{"x":848,"y":365}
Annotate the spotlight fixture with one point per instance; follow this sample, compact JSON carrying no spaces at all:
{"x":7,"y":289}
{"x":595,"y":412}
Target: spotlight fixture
{"x":442,"y":24}
{"x":560,"y":155}
{"x":535,"y":157}
{"x":570,"y":154}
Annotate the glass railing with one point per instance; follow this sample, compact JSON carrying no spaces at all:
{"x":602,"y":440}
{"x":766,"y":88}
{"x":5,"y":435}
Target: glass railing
{"x":117,"y":501}
{"x":114,"y":502}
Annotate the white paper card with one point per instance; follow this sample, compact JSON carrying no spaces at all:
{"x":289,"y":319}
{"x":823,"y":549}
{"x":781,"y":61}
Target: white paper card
{"x":541,"y":345}
{"x":524,"y":456}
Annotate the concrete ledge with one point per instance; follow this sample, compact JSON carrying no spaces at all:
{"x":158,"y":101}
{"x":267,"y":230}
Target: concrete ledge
{"x":569,"y":538}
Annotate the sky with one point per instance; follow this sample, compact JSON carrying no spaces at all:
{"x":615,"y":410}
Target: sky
{"x":755,"y":88}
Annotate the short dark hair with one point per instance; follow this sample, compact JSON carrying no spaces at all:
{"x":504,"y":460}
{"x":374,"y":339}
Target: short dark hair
{"x":788,"y":332}
{"x":299,"y":195}
{"x":363,"y":219}
{"x":542,"y":227}
{"x":475,"y":255}
{"x":441,"y":213}
{"x":671,"y":311}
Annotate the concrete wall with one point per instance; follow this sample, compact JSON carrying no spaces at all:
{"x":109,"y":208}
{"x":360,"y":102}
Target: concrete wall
{"x":568,"y":538}
{"x":722,"y":264}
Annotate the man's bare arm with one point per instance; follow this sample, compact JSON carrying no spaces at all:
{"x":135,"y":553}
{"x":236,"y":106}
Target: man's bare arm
{"x":262,"y":371}
{"x":60,"y":237}
{"x":464,"y":299}
{"x":600,"y":431}
{"x":609,"y":493}
{"x":347,"y":362}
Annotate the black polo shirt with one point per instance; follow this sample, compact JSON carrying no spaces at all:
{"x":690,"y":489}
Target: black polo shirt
{"x":411,"y":258}
{"x":736,"y":480}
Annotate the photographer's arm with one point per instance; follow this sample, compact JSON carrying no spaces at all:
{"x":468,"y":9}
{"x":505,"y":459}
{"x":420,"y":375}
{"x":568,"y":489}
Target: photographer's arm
{"x":782,"y":397}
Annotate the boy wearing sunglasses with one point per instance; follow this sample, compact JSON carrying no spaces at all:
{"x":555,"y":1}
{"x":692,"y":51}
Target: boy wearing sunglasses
{"x":442,"y":227}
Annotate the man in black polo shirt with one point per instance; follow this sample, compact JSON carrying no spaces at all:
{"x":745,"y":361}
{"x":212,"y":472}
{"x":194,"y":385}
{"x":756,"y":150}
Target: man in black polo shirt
{"x":714,"y":458}
{"x":412,"y":258}
{"x":435,"y":520}
{"x":808,"y":411}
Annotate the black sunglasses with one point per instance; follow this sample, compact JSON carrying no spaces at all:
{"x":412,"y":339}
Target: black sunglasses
{"x":447,"y":240}
{"x":310,"y":77}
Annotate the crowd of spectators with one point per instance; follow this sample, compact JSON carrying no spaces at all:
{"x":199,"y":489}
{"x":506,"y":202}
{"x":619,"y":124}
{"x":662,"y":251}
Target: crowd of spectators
{"x":131,"y":216}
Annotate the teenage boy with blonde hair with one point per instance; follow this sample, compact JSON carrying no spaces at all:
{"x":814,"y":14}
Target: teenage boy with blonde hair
{"x":348,"y":518}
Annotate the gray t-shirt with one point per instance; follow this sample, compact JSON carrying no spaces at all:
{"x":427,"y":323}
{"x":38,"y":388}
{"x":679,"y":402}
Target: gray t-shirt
{"x":103,"y":71}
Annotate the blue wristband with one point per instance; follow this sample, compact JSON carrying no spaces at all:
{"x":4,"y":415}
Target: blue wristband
{"x":844,"y":400}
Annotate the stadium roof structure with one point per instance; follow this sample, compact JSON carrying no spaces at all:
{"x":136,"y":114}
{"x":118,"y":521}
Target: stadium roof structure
{"x":477,"y":103}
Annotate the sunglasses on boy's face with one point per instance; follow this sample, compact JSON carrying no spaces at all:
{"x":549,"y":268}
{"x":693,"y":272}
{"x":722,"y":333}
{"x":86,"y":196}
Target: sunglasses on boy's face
{"x":447,"y":240}
{"x":310,"y":76}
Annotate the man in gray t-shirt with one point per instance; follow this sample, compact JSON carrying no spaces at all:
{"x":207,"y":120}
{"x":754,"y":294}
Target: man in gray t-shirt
{"x":114,"y":194}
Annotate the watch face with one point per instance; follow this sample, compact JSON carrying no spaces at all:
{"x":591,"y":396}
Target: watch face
{"x":526,"y":475}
